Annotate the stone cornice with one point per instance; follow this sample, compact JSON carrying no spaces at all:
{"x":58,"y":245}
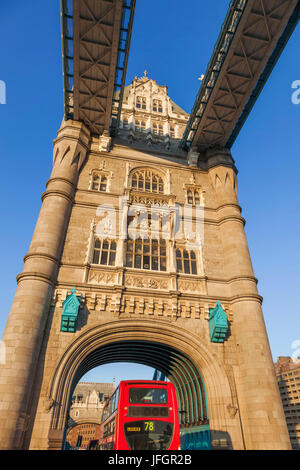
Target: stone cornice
{"x":86,"y":204}
{"x":35,"y":276}
{"x":231,"y":218}
{"x":246,"y":298}
{"x":55,"y":192}
{"x":163,"y":274}
{"x":233,"y":279}
{"x":42,"y":255}
{"x":181,"y":158}
{"x":231,"y":204}
{"x":63,"y":180}
{"x":89,"y":289}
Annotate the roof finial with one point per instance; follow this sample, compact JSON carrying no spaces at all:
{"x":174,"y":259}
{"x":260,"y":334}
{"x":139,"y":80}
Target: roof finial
{"x":146,"y":74}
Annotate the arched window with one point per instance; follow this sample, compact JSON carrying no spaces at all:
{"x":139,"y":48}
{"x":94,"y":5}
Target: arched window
{"x":99,"y":182}
{"x":186,"y":261}
{"x":105,"y":252}
{"x":193,"y":197}
{"x":147,"y":254}
{"x":190,"y":197}
{"x":147,"y":180}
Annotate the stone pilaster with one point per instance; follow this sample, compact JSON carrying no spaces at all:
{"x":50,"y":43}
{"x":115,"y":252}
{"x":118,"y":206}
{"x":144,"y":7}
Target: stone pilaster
{"x":261,"y":410}
{"x":26,"y":324}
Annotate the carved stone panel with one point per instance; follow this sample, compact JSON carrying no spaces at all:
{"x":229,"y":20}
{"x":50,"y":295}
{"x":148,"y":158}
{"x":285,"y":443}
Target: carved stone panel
{"x":99,"y":277}
{"x":146,"y":282}
{"x":196,"y":286}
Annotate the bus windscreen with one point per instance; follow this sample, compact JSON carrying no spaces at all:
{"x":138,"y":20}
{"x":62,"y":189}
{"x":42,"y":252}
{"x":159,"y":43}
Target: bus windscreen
{"x":153,"y":396}
{"x":148,"y":435}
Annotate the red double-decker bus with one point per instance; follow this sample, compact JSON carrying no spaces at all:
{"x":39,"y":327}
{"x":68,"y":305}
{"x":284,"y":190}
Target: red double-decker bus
{"x":141,"y":415}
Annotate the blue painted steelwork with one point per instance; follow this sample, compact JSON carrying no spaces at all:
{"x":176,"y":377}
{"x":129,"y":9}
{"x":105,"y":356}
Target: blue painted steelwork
{"x":229,"y":27}
{"x":66,"y":14}
{"x":66,"y":8}
{"x":265,"y":74}
{"x":195,"y":438}
{"x":158,"y":375}
{"x":70,"y":313}
{"x":123,"y":53}
{"x":218,"y":324}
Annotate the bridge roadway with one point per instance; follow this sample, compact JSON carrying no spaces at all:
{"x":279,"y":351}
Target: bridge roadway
{"x":96,"y":38}
{"x":95,"y":44}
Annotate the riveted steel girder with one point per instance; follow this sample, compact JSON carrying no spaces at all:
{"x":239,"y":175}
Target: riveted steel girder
{"x":251,"y":40}
{"x":95,"y":45}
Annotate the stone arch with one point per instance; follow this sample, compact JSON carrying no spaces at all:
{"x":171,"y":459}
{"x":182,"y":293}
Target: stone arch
{"x":85,"y":353}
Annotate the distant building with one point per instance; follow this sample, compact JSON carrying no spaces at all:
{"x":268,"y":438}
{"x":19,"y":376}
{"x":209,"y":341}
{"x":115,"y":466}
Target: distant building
{"x":86,"y":411}
{"x":80,"y":436}
{"x":288,"y":375}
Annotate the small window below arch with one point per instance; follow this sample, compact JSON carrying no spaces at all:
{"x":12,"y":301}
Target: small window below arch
{"x":99,"y":182}
{"x":105,"y":252}
{"x":186,"y":261}
{"x":193,"y":197}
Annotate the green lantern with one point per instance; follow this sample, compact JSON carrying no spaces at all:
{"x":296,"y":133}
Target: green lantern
{"x":218,"y":324}
{"x":70,"y":312}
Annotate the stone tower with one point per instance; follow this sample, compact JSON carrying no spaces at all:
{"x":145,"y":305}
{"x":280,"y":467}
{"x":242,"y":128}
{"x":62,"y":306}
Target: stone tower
{"x":139,"y":254}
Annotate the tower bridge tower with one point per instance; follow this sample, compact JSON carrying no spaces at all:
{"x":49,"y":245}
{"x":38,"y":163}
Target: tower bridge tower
{"x":139,"y":255}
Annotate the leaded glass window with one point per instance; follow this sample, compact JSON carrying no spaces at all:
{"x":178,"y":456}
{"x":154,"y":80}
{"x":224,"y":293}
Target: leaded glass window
{"x":147,"y":180}
{"x":150,"y":254}
{"x":99,"y":182}
{"x":186,"y":261}
{"x":105,"y":252}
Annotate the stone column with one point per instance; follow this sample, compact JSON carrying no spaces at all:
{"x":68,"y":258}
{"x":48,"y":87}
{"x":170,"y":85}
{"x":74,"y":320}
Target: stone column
{"x":260,"y":405}
{"x":122,"y":238}
{"x":25,"y":328}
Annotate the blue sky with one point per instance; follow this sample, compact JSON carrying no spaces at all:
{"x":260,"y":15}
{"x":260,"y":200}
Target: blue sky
{"x":173,"y":41}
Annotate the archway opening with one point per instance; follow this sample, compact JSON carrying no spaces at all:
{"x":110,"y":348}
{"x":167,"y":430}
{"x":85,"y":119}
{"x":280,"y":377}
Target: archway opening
{"x":172,"y":363}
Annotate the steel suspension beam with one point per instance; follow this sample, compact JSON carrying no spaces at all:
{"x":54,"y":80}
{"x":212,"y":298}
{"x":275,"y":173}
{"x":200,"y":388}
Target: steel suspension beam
{"x":96,"y":38}
{"x":252,"y":38}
